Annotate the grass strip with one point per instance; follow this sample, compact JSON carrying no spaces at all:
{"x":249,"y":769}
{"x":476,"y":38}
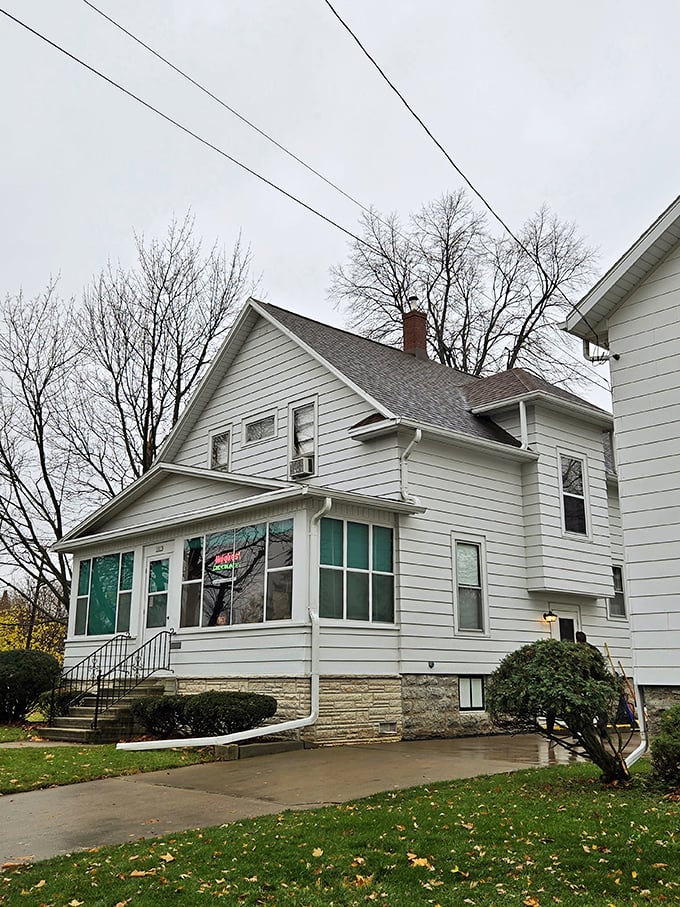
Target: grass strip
{"x":10,"y":733}
{"x":535,"y":838}
{"x":32,"y":768}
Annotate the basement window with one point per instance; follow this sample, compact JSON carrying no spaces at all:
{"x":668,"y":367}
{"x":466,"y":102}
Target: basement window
{"x":471,"y":694}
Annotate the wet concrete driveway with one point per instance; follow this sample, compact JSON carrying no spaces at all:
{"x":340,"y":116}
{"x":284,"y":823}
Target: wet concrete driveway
{"x":41,"y":824}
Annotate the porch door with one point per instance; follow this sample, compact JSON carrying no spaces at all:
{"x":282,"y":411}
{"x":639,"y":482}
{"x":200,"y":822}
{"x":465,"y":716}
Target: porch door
{"x":156,"y":594}
{"x":568,"y":621}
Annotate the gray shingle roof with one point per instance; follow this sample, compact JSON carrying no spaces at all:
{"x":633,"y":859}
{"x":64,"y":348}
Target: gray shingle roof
{"x":415,"y":389}
{"x":514,"y":383}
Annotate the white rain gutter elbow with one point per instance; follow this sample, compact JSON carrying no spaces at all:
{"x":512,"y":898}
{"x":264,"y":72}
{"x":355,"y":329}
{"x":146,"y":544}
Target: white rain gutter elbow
{"x":267,"y":730}
{"x":405,"y":496}
{"x":641,"y":749}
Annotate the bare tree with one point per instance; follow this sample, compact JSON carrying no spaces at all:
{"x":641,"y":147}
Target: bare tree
{"x":148,"y":334}
{"x":37,"y":361}
{"x":491,"y":303}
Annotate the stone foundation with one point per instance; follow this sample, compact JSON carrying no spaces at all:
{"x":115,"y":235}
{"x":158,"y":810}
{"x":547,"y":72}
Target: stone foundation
{"x":356,"y":709}
{"x":657,"y":701}
{"x":430,"y":709}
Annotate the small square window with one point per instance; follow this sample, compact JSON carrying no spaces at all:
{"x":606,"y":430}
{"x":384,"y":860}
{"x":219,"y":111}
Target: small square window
{"x":617,"y":605}
{"x":471,"y":694}
{"x":220,"y":451}
{"x":260,"y":429}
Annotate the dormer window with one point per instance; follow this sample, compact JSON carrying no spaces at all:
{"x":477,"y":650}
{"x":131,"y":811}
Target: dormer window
{"x":220,"y":451}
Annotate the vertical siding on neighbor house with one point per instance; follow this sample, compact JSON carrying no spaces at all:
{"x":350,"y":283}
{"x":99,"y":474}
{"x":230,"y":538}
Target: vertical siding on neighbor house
{"x":558,"y":561}
{"x":269,"y":373}
{"x":645,"y":333}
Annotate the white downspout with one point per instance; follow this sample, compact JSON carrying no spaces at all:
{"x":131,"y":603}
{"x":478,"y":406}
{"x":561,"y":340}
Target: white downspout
{"x":523,"y":430}
{"x":641,"y":749}
{"x":405,"y":496}
{"x":266,"y":730}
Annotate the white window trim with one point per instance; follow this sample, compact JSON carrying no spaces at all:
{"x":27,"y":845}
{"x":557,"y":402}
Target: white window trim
{"x":471,"y":708}
{"x":267,"y":414}
{"x":298,"y":404}
{"x":215,"y":433}
{"x":479,"y":540}
{"x":624,"y":616}
{"x":583,"y":459}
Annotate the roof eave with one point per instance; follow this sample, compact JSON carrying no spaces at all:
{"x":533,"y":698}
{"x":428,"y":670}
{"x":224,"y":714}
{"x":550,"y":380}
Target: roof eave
{"x":506,"y":451}
{"x":591,"y":314}
{"x":290,"y":493}
{"x":589,"y":414}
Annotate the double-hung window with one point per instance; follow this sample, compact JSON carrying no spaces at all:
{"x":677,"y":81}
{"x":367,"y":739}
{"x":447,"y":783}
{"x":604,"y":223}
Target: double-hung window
{"x":303,"y":439}
{"x":104,"y":594}
{"x":573,"y":495}
{"x":356,"y":578}
{"x":469,"y":585}
{"x":617,"y":605}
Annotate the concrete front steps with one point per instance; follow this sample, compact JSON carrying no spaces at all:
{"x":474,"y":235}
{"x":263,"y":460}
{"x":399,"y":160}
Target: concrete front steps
{"x":115,"y":724}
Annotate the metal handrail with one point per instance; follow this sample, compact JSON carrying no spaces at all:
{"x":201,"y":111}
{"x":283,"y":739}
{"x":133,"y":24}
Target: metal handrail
{"x":82,"y":677}
{"x":123,"y":677}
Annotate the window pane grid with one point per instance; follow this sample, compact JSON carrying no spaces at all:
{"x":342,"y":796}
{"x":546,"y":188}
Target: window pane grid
{"x":350,"y":585}
{"x":573,"y":495}
{"x":238,"y":576}
{"x":470,"y":596}
{"x":103,"y":594}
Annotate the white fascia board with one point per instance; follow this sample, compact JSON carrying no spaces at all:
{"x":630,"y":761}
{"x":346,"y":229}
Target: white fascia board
{"x":457,"y":437}
{"x":217,"y":475}
{"x":373,"y":429}
{"x":575,"y":322}
{"x":185,"y":420}
{"x":587,"y":413}
{"x":190,"y":517}
{"x":151,"y":478}
{"x":292,"y":492}
{"x":320,"y":359}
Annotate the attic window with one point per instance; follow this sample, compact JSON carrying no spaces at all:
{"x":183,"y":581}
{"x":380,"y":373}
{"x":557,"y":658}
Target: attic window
{"x":219,"y":457}
{"x":259,"y":429}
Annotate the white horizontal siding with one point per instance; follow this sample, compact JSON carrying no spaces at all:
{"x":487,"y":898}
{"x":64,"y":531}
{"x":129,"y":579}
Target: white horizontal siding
{"x":270,"y":372}
{"x":645,"y":333}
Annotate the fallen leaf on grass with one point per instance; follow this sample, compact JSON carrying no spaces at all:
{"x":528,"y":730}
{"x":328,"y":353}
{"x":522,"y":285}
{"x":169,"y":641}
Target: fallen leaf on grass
{"x":317,"y":852}
{"x":167,"y":858}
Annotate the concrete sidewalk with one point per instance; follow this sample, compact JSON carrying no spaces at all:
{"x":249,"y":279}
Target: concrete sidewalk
{"x":42,"y":824}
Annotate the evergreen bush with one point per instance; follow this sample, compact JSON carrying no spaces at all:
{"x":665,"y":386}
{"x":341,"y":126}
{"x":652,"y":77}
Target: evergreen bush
{"x":24,"y":675}
{"x":666,"y":748}
{"x":161,"y":716}
{"x":216,"y":712}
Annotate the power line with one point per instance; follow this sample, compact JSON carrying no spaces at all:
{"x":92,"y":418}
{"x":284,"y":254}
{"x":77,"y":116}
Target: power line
{"x":455,"y":166}
{"x":187,"y":131}
{"x":226,"y":106}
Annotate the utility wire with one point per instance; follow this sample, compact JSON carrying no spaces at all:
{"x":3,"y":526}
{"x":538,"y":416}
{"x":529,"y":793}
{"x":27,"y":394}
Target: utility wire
{"x":188,"y":131}
{"x":231,"y":110}
{"x":451,"y":161}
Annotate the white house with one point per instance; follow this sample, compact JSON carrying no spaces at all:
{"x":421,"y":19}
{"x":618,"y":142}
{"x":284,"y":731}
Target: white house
{"x":430,"y":518}
{"x":634,"y":312}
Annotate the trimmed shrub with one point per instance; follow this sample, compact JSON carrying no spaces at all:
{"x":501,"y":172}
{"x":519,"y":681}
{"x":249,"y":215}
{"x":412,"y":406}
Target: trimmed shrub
{"x":161,"y":716}
{"x":666,"y":748}
{"x":24,"y":675}
{"x":216,"y":712}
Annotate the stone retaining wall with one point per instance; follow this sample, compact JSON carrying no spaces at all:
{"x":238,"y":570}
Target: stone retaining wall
{"x":430,"y":708}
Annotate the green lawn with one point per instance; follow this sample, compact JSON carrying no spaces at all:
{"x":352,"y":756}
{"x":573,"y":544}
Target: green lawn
{"x":30,"y":768}
{"x":533,"y":838}
{"x":11,"y":732}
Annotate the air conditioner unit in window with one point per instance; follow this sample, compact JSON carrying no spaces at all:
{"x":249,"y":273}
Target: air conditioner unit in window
{"x":301,"y":467}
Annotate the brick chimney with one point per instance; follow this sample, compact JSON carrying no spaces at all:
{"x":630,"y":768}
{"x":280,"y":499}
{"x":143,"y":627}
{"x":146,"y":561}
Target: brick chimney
{"x":415,"y":333}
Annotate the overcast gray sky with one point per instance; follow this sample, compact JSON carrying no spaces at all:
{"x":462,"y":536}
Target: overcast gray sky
{"x":569,"y":104}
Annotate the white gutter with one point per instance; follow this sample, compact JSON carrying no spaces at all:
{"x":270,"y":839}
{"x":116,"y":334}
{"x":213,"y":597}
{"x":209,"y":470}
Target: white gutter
{"x":266,"y":731}
{"x":405,"y":496}
{"x":641,"y":749}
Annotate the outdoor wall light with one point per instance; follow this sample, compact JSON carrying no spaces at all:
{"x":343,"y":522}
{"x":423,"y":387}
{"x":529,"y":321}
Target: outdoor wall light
{"x":549,"y":617}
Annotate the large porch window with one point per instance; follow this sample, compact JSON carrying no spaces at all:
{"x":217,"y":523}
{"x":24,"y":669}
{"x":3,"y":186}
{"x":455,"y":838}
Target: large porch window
{"x":356,"y":578}
{"x":238,"y":576}
{"x":104,"y":594}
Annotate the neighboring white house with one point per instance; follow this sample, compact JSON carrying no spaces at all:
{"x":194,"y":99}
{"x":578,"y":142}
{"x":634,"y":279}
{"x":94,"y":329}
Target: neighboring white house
{"x":634,"y":312}
{"x":431,"y":518}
